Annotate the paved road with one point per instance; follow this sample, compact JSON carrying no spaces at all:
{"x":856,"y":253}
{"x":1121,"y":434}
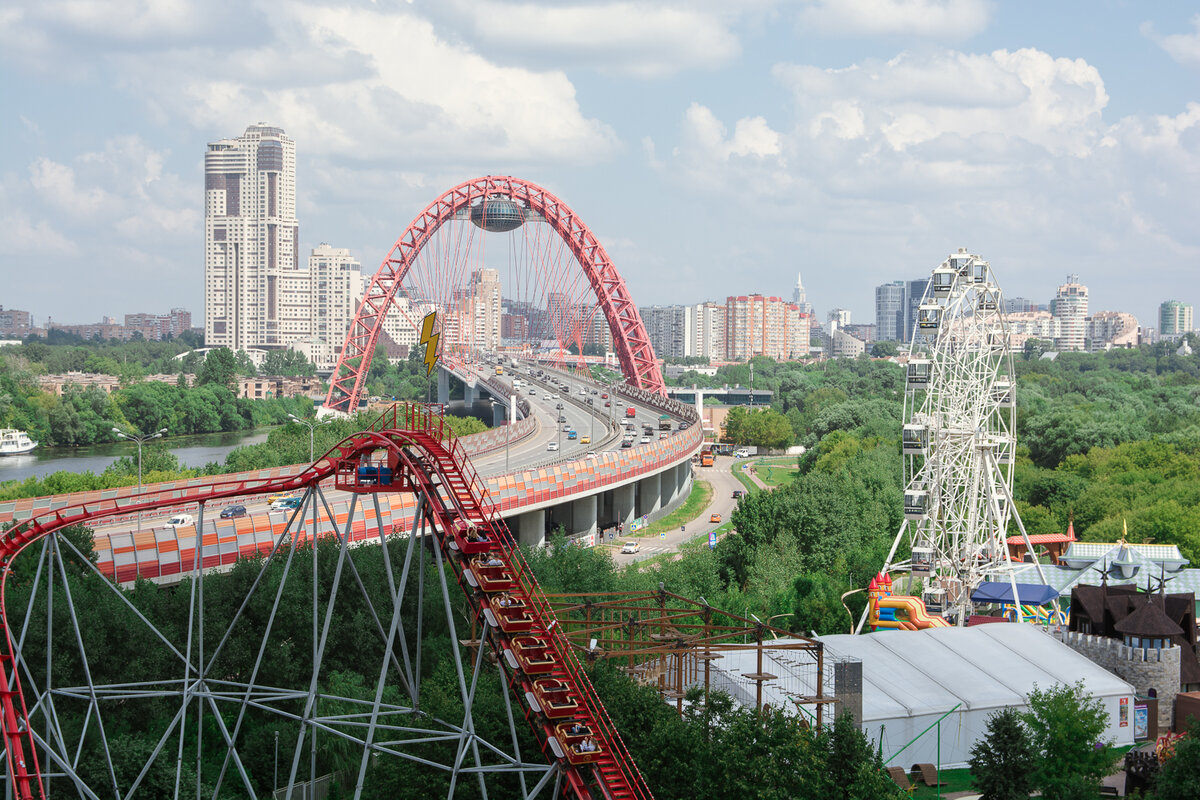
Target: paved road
{"x":723,"y":483}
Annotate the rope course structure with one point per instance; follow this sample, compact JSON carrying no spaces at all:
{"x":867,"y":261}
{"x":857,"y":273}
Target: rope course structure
{"x":555,"y":274}
{"x":674,"y":643}
{"x":59,"y":737}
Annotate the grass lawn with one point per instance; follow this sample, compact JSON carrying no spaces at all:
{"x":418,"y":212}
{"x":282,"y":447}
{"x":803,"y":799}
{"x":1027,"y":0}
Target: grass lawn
{"x":688,"y":511}
{"x":774,"y":476}
{"x":957,"y":780}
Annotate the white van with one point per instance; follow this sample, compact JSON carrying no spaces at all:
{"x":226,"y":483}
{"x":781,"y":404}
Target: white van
{"x":181,"y":521}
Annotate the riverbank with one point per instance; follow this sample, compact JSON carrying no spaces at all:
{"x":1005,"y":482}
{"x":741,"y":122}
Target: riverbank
{"x":194,"y":451}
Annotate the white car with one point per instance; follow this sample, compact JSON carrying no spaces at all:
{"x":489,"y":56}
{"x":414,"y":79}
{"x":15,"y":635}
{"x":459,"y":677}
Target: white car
{"x":645,"y":440}
{"x":630,"y":547}
{"x":533,"y":390}
{"x":551,"y":445}
{"x":742,"y":453}
{"x":591,"y":454}
{"x":554,"y":396}
{"x":181,"y":521}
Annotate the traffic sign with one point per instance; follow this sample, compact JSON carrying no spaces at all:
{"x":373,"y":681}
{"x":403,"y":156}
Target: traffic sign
{"x":712,"y":539}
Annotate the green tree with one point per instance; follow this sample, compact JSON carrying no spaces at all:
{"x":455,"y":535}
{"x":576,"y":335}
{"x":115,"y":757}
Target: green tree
{"x":1179,"y":778}
{"x":219,"y":367}
{"x":1065,"y":727}
{"x":286,"y":362}
{"x":884,"y":349}
{"x":1001,"y":762}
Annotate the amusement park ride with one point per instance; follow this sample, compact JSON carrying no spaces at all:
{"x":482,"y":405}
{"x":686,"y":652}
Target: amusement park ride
{"x":55,"y":739}
{"x":958,"y":442}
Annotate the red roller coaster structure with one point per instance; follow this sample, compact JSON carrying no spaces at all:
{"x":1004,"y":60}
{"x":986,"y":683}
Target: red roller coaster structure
{"x":405,"y":450}
{"x":629,"y":336}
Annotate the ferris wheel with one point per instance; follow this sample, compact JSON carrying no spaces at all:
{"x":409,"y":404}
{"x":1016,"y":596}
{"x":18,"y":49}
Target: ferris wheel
{"x":958,"y":440}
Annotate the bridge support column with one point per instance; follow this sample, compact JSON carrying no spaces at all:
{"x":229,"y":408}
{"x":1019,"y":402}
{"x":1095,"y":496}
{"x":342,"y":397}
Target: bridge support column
{"x":499,"y":415}
{"x":470,"y":394}
{"x":651,"y":494}
{"x":531,"y":528}
{"x":623,"y":505}
{"x":443,"y":389}
{"x":583,"y":516}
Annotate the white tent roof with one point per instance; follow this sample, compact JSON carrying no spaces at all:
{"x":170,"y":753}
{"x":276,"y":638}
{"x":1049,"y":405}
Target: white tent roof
{"x":985,"y":667}
{"x":912,"y":678}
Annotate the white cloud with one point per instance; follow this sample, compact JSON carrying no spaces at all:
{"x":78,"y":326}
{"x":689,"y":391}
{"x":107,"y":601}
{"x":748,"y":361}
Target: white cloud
{"x":751,"y":137}
{"x":1183,"y":47}
{"x":614,"y":37}
{"x":932,"y":18}
{"x":1054,"y":103}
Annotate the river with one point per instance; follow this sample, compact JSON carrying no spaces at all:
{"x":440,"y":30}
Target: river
{"x":193,"y":451}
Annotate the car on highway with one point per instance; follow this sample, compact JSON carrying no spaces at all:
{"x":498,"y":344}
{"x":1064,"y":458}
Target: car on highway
{"x":572,"y":435}
{"x":591,"y":454}
{"x":562,"y":418}
{"x":645,"y":440}
{"x":585,"y":440}
{"x":559,"y":405}
{"x":232,"y":512}
{"x":604,"y":396}
{"x":277,"y":496}
{"x":533,"y":390}
{"x":607,"y":403}
{"x":627,"y":443}
{"x":737,"y":493}
{"x":287,"y":503}
{"x":714,"y":518}
{"x":631,"y":547}
{"x":554,"y":396}
{"x":181,"y":521}
{"x":551,"y":445}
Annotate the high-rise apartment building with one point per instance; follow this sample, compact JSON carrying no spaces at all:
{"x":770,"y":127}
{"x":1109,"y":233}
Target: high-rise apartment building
{"x":838,"y":318}
{"x":890,"y":306}
{"x":708,"y":330}
{"x":1111,"y":329}
{"x":670,"y":330}
{"x":764,"y":326}
{"x":1070,"y":308}
{"x":251,"y":238}
{"x":473,"y":321}
{"x":1174,"y":319}
{"x":334,"y":292}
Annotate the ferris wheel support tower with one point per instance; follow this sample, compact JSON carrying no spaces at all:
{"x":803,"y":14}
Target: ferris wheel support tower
{"x":959,"y":441}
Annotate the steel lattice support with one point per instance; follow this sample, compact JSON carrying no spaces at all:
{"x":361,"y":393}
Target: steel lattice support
{"x":629,"y":335}
{"x":959,"y":438}
{"x":206,"y":710}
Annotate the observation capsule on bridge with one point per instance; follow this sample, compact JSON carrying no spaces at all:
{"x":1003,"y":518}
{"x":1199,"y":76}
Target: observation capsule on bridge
{"x":498,"y":214}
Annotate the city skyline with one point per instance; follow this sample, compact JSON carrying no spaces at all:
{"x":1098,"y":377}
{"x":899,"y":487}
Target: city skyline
{"x":855,"y":143}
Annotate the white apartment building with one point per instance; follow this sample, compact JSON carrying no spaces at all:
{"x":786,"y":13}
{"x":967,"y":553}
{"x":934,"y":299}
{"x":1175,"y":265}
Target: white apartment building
{"x":1070,"y":308}
{"x":1109,"y":329}
{"x":250,"y":238}
{"x":708,"y":331}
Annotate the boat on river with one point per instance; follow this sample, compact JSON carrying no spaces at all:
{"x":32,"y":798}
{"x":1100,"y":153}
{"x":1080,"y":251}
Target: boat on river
{"x":15,"y":443}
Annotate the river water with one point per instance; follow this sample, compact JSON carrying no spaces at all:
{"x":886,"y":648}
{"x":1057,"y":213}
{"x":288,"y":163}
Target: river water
{"x":193,"y":451}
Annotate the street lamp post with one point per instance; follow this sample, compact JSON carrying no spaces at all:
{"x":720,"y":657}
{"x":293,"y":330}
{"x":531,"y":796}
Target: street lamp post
{"x":140,"y":439}
{"x":312,"y":426}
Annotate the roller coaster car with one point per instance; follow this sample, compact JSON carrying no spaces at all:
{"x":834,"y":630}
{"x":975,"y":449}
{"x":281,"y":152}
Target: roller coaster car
{"x":532,"y":654}
{"x":472,"y":539}
{"x":368,"y":473}
{"x":578,"y":742}
{"x":512,"y":619}
{"x":555,"y":697}
{"x":493,"y":579}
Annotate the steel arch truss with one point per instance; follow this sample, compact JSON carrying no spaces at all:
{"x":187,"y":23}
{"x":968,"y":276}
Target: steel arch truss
{"x":67,"y":738}
{"x":630,"y":338}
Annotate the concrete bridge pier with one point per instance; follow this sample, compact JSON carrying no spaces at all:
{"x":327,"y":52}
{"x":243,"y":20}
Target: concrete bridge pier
{"x":443,"y":387}
{"x":530,"y":528}
{"x":470,"y":393}
{"x":650,"y":489}
{"x":583,"y":517}
{"x":623,"y":505}
{"x":499,"y":414}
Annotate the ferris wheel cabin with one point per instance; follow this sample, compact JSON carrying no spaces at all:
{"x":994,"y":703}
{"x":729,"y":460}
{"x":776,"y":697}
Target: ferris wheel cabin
{"x":1002,"y":392}
{"x":915,"y":440}
{"x":919,"y":370}
{"x":942,"y":280}
{"x":916,"y":504}
{"x":987,"y":302}
{"x":929,"y":317}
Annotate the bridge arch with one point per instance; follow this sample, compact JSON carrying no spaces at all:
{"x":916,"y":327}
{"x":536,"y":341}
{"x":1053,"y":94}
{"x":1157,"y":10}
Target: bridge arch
{"x":630,"y":339}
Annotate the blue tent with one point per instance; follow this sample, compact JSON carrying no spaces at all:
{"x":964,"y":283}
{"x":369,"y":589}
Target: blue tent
{"x":1032,"y":594}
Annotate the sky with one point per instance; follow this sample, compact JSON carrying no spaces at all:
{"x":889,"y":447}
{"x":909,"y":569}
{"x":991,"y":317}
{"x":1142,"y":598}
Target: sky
{"x":713,"y":147}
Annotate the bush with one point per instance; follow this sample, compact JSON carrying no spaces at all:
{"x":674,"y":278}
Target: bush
{"x":1002,"y":761}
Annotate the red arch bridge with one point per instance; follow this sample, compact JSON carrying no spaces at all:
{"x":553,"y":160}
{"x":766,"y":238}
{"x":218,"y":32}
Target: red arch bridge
{"x":63,"y":737}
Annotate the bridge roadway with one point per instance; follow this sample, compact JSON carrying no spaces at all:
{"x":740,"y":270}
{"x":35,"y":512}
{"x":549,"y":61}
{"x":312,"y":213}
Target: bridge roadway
{"x":540,"y":490}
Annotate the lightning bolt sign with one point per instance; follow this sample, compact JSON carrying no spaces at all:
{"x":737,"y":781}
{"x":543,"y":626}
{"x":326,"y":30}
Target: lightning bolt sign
{"x":430,"y":340}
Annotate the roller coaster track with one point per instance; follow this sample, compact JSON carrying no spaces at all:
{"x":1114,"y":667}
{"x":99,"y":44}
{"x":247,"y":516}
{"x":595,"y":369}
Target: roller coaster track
{"x":405,"y":450}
